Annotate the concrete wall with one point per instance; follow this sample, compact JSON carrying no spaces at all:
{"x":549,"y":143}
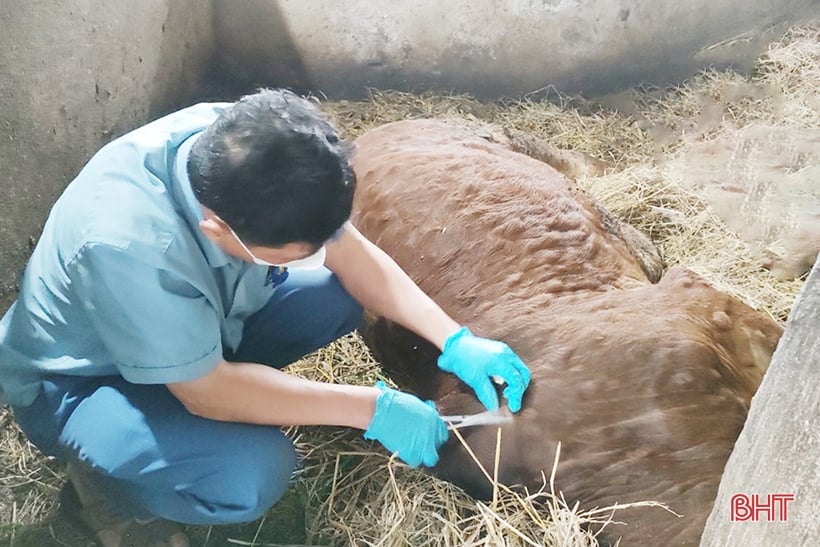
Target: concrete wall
{"x":491,"y":48}
{"x":73,"y":75}
{"x":778,"y":451}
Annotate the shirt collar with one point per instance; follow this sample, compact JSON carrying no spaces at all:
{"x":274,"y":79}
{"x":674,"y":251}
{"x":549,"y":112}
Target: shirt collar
{"x":191,"y":210}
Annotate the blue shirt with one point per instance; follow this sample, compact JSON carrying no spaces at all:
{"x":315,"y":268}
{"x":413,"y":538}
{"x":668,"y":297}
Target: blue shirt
{"x":122,"y":280}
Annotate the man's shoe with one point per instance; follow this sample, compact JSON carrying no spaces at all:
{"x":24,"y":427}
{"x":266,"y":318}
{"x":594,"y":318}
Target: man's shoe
{"x":82,"y":502}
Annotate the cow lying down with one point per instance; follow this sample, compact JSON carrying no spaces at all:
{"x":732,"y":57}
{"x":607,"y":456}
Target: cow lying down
{"x":646,"y":386}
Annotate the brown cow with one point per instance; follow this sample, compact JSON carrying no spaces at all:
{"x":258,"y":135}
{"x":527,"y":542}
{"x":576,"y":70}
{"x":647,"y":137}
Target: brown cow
{"x":645,"y":385}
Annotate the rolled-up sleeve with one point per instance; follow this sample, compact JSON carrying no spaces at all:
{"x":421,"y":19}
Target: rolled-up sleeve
{"x":156,"y":327}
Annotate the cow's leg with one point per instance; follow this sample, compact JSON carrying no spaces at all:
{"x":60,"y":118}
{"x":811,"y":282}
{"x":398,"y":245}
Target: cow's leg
{"x":408,"y":359}
{"x":570,"y":163}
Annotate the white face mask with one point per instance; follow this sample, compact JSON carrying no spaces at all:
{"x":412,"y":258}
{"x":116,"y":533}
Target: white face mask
{"x":312,"y":262}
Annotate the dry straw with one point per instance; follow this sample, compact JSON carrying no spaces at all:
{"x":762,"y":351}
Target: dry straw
{"x":661,"y":144}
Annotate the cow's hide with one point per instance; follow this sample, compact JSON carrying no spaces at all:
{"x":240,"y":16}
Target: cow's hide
{"x":646,"y":386}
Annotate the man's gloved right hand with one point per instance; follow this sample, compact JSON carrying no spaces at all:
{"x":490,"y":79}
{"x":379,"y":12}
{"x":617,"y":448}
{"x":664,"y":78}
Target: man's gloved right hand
{"x":405,"y":424}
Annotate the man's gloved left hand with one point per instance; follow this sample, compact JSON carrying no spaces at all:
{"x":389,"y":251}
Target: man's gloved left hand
{"x":405,"y":424}
{"x":476,"y":360}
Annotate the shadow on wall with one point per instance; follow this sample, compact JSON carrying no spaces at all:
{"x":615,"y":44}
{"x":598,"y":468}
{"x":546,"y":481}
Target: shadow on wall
{"x":487,"y":48}
{"x":262,"y":46}
{"x":73,"y":78}
{"x":184,"y":60}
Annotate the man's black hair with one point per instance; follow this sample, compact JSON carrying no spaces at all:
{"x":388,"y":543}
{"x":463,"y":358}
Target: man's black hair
{"x":275,"y":170}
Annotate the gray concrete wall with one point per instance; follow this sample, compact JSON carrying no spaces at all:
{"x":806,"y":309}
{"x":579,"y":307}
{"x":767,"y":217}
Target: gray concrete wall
{"x":73,"y":75}
{"x":778,"y":451}
{"x":492,"y":48}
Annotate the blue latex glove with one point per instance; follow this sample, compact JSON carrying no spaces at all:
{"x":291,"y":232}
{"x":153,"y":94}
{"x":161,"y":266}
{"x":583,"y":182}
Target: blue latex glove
{"x":405,"y":424}
{"x":476,"y":360}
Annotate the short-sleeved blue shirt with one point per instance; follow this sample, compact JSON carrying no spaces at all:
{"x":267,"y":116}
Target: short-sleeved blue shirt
{"x":122,"y":280}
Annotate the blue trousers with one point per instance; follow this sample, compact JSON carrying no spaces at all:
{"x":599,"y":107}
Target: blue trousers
{"x":154,"y":458}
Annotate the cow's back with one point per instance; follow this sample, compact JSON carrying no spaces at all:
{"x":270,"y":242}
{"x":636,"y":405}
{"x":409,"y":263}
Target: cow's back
{"x":467,"y":218}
